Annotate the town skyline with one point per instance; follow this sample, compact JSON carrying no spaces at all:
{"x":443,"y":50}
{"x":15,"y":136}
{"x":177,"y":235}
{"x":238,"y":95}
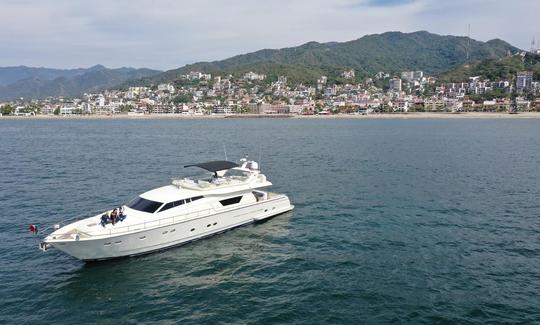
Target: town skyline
{"x":198,"y":94}
{"x":166,"y":35}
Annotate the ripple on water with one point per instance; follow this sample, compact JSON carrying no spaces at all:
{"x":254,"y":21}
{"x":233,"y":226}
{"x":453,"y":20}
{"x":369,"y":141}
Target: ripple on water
{"x":403,"y":221}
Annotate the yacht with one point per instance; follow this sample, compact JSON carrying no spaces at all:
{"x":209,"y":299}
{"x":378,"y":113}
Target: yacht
{"x":188,"y":209}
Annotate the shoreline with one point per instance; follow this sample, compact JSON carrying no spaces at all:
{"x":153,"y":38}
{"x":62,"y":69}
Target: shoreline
{"x":415,"y":115}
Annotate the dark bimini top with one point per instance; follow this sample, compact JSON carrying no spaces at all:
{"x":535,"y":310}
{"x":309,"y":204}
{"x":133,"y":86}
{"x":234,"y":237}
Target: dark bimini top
{"x":214,"y":166}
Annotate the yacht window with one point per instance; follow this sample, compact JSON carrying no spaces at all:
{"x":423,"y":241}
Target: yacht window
{"x":230,"y":201}
{"x":235,"y":173}
{"x":196,"y":198}
{"x":144,"y":205}
{"x":172,"y":205}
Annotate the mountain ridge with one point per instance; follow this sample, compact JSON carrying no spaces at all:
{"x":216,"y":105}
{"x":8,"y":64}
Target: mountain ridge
{"x":390,"y":52}
{"x":69,"y":82}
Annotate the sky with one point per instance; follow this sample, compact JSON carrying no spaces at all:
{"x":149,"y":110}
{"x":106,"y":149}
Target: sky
{"x":167,"y":34}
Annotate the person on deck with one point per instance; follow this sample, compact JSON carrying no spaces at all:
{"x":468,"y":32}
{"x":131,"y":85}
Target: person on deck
{"x":105,"y":218}
{"x":121,"y":215}
{"x":114,"y":215}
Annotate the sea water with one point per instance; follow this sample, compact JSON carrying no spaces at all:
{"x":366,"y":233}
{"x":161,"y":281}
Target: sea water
{"x":414,"y":221}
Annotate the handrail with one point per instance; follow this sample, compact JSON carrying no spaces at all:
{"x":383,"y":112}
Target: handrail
{"x":156,"y":223}
{"x":68,"y":221}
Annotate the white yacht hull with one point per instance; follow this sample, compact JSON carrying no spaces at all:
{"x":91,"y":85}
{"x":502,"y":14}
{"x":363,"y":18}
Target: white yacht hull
{"x":172,"y":234}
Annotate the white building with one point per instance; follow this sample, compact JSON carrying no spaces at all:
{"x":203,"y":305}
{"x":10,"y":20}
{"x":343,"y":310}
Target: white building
{"x":21,"y":111}
{"x":166,"y":87}
{"x":254,"y":76}
{"x":197,"y":75}
{"x":349,"y":74}
{"x":395,"y":84}
{"x":68,"y":108}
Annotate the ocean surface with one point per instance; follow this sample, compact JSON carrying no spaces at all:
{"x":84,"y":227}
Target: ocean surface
{"x":396,"y":221}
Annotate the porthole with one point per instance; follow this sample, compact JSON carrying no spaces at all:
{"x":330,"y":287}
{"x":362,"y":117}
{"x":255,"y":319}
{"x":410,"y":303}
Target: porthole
{"x":273,"y":208}
{"x":142,"y":238}
{"x":107,"y":244}
{"x":215,"y":223}
{"x":208,"y":225}
{"x":265,"y":210}
{"x":165,"y":232}
{"x":118,"y":242}
{"x":173,"y":230}
{"x":192,"y":229}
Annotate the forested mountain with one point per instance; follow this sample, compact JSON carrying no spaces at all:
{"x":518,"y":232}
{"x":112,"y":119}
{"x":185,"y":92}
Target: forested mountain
{"x":390,"y":52}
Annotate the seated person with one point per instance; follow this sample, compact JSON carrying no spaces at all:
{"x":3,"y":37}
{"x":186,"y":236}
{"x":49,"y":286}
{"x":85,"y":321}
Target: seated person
{"x":105,"y":219}
{"x":121,"y":215}
{"x":114,"y":215}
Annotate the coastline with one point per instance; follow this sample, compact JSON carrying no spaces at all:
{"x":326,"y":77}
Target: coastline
{"x":415,"y":115}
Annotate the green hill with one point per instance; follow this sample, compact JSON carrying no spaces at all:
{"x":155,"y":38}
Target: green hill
{"x":390,"y":52}
{"x":495,"y":69}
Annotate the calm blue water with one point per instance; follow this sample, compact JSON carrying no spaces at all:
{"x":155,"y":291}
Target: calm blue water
{"x":408,"y":221}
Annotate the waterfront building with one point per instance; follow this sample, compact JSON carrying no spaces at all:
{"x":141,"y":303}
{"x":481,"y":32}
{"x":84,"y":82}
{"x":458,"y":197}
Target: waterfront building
{"x":68,"y":108}
{"x":402,"y":106}
{"x":434,"y":104}
{"x":47,"y":109}
{"x":274,"y":109}
{"x":523,"y":105}
{"x":223,"y":110}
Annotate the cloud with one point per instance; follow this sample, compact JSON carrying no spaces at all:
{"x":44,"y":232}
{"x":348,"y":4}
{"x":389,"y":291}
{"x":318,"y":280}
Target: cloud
{"x":388,"y":2}
{"x":166,"y":34}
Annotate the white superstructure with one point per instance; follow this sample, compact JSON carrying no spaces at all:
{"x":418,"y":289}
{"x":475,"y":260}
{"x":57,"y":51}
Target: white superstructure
{"x":186,"y":210}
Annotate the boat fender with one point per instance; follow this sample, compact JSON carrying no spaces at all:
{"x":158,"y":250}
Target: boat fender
{"x":33,"y":229}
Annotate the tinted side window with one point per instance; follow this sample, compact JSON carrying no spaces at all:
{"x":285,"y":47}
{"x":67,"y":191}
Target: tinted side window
{"x":171,"y":205}
{"x":196,"y":198}
{"x":230,"y":201}
{"x":144,"y":205}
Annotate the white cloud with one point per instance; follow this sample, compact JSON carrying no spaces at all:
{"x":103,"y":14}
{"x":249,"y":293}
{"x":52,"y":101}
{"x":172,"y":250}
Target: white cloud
{"x":167,"y":34}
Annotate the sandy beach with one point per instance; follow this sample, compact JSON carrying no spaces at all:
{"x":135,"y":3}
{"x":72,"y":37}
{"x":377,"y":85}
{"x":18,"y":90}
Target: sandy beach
{"x":419,"y":115}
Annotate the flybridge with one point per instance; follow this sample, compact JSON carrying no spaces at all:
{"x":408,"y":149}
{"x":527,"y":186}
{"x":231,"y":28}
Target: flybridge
{"x":226,"y":174}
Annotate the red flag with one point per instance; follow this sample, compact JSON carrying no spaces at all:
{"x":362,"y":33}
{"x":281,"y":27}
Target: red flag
{"x":33,"y":229}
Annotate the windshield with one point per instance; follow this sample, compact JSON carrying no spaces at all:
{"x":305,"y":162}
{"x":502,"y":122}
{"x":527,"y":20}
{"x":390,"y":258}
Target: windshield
{"x":144,"y":205}
{"x":235,"y":173}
